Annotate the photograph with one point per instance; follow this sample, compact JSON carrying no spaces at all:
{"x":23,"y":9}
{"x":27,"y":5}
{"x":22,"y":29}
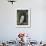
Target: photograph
{"x":23,"y":18}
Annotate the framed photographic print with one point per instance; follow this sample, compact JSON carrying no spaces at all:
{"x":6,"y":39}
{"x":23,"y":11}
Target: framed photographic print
{"x":23,"y":17}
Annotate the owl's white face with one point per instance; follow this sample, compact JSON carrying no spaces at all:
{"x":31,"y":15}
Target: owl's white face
{"x":21,"y":19}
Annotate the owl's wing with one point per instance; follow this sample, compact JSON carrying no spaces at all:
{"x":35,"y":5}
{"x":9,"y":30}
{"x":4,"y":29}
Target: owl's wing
{"x":21,"y":19}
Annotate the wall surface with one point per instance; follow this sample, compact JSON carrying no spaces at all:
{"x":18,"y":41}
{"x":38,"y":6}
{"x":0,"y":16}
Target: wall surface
{"x":8,"y":30}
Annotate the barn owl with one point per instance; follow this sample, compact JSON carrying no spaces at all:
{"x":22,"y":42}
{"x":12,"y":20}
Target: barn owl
{"x":21,"y":19}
